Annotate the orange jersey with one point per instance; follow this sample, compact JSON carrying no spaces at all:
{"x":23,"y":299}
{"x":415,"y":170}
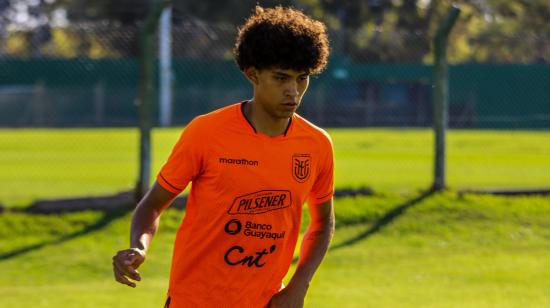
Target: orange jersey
{"x":243,"y":214}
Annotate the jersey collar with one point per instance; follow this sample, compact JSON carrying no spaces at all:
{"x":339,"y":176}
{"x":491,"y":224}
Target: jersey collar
{"x":252,"y":126}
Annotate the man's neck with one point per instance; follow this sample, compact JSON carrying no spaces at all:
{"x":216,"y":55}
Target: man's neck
{"x":264,"y":122}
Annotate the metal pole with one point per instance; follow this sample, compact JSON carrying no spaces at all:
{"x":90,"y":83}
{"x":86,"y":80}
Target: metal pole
{"x":99,"y":102}
{"x":165,"y":57}
{"x":146,"y":95}
{"x":441,"y":95}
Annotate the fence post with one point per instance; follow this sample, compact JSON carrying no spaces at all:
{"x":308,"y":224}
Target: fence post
{"x":99,"y":102}
{"x":146,"y":94}
{"x":320,"y":104}
{"x":441,"y":95}
{"x":165,"y":57}
{"x":39,"y":104}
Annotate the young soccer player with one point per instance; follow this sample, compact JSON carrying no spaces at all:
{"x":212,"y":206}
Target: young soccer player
{"x":252,"y":166}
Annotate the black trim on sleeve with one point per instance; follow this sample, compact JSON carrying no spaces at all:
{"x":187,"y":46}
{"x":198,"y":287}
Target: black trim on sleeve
{"x":323,"y":197}
{"x":174,"y":187}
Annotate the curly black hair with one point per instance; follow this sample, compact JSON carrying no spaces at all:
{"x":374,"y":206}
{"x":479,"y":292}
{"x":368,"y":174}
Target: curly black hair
{"x":282,"y":37}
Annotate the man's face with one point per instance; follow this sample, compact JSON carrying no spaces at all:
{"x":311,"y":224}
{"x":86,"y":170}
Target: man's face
{"x":279,"y":91}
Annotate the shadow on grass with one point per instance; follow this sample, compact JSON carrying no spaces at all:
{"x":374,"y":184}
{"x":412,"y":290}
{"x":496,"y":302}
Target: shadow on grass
{"x":106,"y":219}
{"x":390,"y":216}
{"x":111,"y":215}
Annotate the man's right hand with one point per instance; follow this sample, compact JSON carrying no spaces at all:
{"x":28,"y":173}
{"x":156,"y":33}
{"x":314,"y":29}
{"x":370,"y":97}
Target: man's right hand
{"x":125,"y":264}
{"x":144,"y":225}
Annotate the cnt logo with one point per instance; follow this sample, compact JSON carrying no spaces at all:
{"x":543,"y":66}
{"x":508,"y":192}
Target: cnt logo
{"x":239,"y":255}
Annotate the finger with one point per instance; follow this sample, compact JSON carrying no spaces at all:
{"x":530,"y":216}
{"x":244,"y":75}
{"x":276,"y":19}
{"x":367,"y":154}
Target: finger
{"x":122,"y":279}
{"x":127,"y":271}
{"x":133,"y":273}
{"x":136,"y":275}
{"x":126,"y":266}
{"x":130,"y":270}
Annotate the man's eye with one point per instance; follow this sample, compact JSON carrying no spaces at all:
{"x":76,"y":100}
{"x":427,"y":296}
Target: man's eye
{"x":280,"y":78}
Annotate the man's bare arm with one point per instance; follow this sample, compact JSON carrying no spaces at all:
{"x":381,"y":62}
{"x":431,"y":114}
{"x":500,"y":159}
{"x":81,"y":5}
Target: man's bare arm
{"x":314,"y":247}
{"x":145,"y":221}
{"x":146,"y":216}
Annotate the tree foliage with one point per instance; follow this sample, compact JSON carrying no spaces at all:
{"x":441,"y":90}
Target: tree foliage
{"x":403,"y":30}
{"x":367,"y":31}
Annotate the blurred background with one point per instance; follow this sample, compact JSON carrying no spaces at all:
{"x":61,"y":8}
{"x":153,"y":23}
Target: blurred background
{"x":70,"y":75}
{"x":75,"y":64}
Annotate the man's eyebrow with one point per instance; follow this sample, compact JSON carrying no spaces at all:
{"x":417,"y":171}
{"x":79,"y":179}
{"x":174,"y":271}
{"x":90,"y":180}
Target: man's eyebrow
{"x":279,"y":73}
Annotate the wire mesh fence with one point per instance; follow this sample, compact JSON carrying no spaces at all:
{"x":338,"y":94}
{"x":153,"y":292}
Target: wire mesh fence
{"x":85,"y":75}
{"x":96,"y":66}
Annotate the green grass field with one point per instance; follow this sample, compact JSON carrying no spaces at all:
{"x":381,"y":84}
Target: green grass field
{"x":397,"y":248}
{"x":390,"y":250}
{"x":44,"y":163}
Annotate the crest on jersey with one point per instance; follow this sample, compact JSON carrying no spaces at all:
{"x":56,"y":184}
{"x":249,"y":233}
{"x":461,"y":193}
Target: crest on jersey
{"x":301,"y":167}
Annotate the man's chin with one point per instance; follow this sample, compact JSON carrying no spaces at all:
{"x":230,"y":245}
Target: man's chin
{"x":286,"y":114}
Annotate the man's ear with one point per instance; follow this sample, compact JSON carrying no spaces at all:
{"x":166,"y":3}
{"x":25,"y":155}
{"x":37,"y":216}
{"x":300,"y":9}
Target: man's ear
{"x":251,"y":74}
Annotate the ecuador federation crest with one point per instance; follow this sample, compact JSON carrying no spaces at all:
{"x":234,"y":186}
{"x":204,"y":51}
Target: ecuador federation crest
{"x":301,"y":167}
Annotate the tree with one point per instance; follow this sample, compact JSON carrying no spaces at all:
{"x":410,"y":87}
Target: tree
{"x":366,"y":31}
{"x":402,"y":31}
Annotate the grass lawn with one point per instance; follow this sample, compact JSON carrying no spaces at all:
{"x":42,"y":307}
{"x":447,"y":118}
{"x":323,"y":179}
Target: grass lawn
{"x":390,"y":250}
{"x":52,"y":163}
{"x":393,"y":249}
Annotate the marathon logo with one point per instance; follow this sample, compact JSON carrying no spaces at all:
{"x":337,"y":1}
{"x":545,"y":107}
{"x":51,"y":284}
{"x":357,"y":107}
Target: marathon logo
{"x":261,"y":202}
{"x":242,"y":161}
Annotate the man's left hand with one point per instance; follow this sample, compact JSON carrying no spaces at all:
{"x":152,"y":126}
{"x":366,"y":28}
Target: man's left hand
{"x":288,"y":297}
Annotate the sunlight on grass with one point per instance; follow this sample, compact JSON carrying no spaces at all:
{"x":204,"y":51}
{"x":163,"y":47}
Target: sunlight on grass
{"x":52,"y":163}
{"x":443,"y":251}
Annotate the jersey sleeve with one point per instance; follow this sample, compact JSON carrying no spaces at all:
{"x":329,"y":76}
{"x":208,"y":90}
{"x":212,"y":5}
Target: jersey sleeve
{"x":323,"y":187}
{"x":185,"y":163}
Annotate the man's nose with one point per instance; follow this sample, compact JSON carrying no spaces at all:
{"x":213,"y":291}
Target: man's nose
{"x":292,"y":89}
